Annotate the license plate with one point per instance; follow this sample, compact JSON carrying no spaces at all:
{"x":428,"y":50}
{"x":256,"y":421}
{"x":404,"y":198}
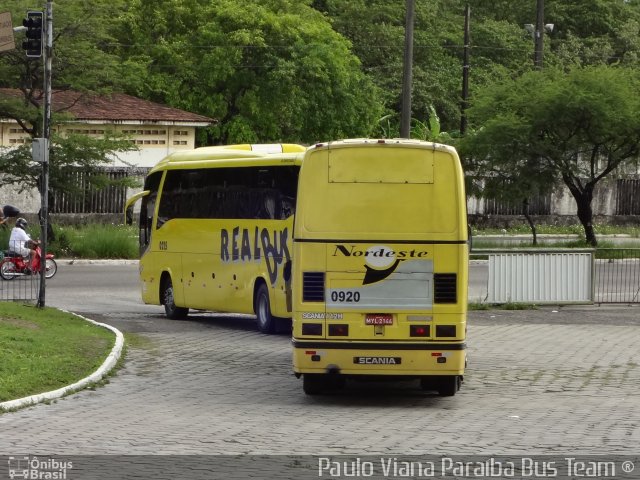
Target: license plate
{"x":378,"y":319}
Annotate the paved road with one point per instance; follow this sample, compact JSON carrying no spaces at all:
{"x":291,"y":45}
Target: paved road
{"x":550,"y":381}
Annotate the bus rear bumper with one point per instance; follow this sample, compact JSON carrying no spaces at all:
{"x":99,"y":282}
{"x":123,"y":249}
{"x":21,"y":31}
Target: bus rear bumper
{"x":410,"y":360}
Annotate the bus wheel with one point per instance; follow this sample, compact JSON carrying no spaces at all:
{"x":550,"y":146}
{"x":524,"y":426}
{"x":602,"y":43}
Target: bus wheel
{"x":170,"y":309}
{"x":448,"y":385}
{"x":266,"y":321}
{"x":313,"y":383}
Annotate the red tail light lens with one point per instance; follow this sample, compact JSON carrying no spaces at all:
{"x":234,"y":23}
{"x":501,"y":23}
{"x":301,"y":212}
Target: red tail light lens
{"x":419,"y":330}
{"x":339,"y":330}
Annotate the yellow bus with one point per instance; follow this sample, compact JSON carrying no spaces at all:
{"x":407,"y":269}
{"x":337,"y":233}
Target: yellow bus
{"x":216,"y":229}
{"x":380,"y":265}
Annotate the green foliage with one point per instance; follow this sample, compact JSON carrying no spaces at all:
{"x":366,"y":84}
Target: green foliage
{"x":95,"y":241}
{"x":89,"y":241}
{"x":83,"y":41}
{"x":81,"y":61}
{"x":267,"y":70}
{"x":376,"y":30}
{"x":550,"y":127}
{"x":79,"y":152}
{"x":304,"y":71}
{"x":585,"y":33}
{"x":571,"y":229}
{"x":429,"y":130}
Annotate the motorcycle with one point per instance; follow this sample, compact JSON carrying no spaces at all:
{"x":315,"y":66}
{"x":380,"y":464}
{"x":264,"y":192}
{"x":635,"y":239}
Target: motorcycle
{"x":14,"y":265}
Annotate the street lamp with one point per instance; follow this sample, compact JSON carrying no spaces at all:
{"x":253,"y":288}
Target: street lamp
{"x":537,"y":31}
{"x":537,"y":35}
{"x":531,"y":28}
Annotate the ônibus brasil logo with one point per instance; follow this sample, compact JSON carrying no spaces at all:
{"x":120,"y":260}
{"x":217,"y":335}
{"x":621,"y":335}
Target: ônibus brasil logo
{"x":380,"y":260}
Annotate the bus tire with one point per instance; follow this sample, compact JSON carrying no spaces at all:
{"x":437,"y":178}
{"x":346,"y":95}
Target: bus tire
{"x":448,"y":385}
{"x":266,"y":321}
{"x":168,"y":300}
{"x":313,"y":383}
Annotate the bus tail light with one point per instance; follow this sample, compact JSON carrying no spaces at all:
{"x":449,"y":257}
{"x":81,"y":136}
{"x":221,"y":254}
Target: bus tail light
{"x":339,"y":330}
{"x":445,"y":331}
{"x":313,"y":286}
{"x":312,"y":329}
{"x":419,"y":330}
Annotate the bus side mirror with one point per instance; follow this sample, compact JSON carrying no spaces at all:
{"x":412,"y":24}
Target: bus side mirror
{"x":469,"y":238}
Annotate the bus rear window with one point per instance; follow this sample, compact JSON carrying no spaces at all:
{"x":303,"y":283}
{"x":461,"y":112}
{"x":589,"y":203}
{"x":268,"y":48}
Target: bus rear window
{"x":362,"y":165}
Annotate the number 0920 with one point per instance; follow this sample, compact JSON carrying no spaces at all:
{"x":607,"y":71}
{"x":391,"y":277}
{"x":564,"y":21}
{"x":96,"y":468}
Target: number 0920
{"x":345,"y":296}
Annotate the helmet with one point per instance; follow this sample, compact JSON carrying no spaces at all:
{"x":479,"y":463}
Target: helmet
{"x":21,"y":223}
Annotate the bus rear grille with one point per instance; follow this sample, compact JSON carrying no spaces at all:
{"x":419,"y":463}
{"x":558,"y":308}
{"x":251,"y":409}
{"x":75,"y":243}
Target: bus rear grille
{"x":313,"y":286}
{"x":445,"y":286}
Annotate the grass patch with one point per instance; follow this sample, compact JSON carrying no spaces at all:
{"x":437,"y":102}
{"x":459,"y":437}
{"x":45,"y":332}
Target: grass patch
{"x":43,"y":349}
{"x":574,"y":229}
{"x":478,"y":306}
{"x":606,"y":249}
{"x":516,"y":306}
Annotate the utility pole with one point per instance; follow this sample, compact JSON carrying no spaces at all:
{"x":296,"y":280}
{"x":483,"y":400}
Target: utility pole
{"x":539,"y":35}
{"x":538,"y":39}
{"x":405,"y":121}
{"x":465,"y":71}
{"x":46,"y":133}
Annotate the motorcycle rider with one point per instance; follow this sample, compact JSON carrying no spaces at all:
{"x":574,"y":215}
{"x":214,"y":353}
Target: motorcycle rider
{"x":21,"y":243}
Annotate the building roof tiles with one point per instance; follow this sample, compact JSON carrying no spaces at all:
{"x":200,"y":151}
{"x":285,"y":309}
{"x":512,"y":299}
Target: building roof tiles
{"x":115,"y":107}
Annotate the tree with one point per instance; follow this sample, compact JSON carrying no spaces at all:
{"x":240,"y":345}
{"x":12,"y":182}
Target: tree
{"x":586,"y":32}
{"x":78,"y":64}
{"x":580,"y":126}
{"x":428,"y":130}
{"x":376,"y":30}
{"x":268,"y":70}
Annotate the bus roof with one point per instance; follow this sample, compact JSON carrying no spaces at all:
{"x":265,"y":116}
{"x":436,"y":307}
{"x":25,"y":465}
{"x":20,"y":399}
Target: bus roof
{"x":360,"y":142}
{"x":233,"y":155}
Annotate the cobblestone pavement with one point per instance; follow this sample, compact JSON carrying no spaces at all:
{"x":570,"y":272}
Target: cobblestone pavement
{"x":538,"y":382}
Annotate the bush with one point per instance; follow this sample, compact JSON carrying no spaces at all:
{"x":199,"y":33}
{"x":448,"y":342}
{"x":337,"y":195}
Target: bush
{"x":89,"y":241}
{"x":98,"y":241}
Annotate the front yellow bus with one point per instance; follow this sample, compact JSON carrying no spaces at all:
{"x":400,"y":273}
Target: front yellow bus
{"x":215,"y":231}
{"x":380,"y":264}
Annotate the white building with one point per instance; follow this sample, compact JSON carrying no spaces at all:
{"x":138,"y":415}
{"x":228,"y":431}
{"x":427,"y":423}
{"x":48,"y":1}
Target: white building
{"x":157,"y":130}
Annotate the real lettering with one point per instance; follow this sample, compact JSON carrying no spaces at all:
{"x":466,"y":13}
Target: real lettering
{"x":239,"y":246}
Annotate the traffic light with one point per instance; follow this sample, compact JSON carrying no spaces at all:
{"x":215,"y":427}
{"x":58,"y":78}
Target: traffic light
{"x":35,"y":31}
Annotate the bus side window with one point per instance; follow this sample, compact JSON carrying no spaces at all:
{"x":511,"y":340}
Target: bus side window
{"x":174,"y":199}
{"x":288,"y":206}
{"x":286,"y":181}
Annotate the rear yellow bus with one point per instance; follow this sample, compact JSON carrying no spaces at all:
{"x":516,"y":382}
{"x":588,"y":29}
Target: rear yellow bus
{"x":216,"y":229}
{"x":380,"y":264}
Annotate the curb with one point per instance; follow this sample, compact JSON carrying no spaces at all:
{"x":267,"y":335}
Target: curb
{"x":96,"y":376}
{"x":82,"y":261}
